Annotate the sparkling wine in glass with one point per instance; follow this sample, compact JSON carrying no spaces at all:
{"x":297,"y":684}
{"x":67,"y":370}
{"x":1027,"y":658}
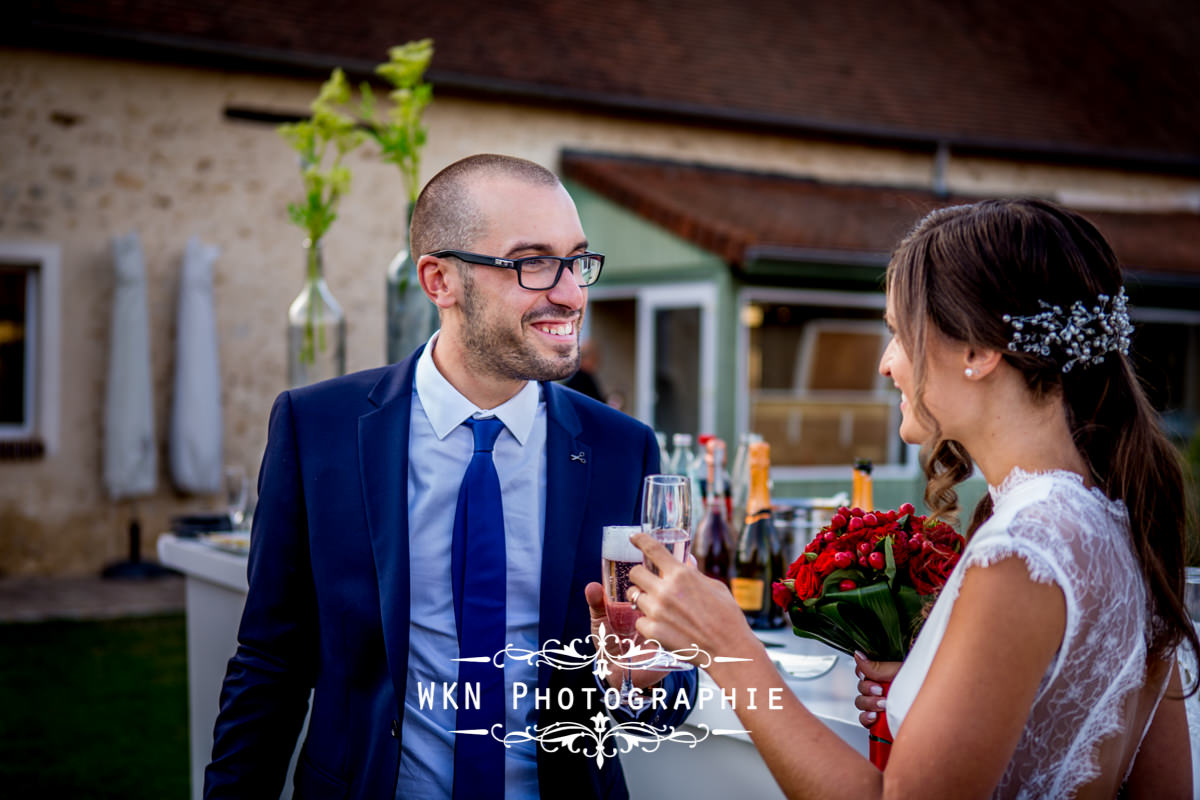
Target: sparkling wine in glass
{"x":618,"y":556}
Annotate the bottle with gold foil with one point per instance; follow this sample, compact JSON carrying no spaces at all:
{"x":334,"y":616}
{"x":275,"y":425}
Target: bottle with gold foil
{"x":759,"y":560}
{"x":863,"y":495}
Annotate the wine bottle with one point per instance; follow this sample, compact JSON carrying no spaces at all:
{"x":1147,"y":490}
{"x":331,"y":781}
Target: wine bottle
{"x":713,"y":545}
{"x":759,"y":555}
{"x":863,"y":495}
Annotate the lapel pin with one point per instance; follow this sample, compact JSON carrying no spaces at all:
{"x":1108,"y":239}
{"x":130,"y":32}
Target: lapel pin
{"x":578,"y":457}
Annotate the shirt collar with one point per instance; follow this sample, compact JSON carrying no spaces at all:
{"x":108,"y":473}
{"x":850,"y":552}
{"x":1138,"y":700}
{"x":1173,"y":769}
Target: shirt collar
{"x":446,"y":407}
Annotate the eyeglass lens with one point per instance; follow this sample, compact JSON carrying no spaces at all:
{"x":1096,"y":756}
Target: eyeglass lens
{"x":540,"y":273}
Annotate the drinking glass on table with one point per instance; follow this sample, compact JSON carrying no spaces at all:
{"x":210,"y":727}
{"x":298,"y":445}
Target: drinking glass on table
{"x":237,"y":491}
{"x":667,"y":517}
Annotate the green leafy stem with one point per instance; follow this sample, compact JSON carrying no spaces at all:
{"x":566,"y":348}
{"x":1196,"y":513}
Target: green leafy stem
{"x":332,"y":132}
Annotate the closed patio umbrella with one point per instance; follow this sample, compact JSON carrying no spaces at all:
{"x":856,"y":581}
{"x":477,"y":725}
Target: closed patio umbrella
{"x":195,"y":440}
{"x":130,"y":451}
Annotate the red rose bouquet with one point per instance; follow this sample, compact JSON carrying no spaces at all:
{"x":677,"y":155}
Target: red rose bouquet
{"x":863,"y":583}
{"x":864,"y":580}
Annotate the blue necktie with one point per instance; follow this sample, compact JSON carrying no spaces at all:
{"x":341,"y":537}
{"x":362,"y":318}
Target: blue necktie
{"x":477,"y":569}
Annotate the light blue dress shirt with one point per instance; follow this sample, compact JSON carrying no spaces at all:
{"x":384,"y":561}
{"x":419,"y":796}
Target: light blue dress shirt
{"x":440,"y":447}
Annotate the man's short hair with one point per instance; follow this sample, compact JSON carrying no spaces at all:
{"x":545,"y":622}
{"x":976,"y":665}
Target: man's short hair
{"x":445,"y":218}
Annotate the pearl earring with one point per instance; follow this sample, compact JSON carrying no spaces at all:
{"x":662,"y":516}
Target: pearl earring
{"x":970,"y":373}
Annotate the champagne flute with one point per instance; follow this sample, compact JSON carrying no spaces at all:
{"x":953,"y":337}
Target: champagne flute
{"x":667,"y":517}
{"x":618,"y":556}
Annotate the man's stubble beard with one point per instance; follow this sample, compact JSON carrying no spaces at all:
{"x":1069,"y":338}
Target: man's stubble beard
{"x":497,"y":350}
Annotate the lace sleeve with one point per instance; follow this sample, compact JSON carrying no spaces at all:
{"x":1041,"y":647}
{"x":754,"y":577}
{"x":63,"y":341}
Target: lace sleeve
{"x":1025,"y":537}
{"x":999,"y":548}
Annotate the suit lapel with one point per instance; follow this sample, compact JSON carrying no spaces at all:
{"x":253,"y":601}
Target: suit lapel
{"x":568,"y":473}
{"x":383,"y":467}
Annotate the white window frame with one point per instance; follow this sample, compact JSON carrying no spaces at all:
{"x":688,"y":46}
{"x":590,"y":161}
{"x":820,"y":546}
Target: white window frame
{"x":647,"y":301}
{"x":43,"y":331}
{"x":818,"y":298}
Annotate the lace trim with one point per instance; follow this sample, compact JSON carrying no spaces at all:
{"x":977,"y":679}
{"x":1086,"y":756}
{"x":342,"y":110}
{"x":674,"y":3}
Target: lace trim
{"x":1162,"y":691}
{"x":1099,"y":727}
{"x":989,"y":553}
{"x":1019,"y":477}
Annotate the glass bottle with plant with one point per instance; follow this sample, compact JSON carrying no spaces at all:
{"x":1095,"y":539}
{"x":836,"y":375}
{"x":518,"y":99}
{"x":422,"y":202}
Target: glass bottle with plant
{"x":400,"y":135}
{"x":316,"y":322}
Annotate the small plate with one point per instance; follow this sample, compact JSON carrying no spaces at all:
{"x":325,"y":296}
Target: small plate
{"x":804,"y":667}
{"x":236,"y":542}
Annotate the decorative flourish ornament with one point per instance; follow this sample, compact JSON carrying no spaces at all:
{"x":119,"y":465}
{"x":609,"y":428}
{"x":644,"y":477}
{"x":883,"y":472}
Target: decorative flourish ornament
{"x":601,"y":742}
{"x":1079,"y":335}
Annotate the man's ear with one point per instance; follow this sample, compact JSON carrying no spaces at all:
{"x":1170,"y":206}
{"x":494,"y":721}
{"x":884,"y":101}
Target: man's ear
{"x":439,"y":280}
{"x":982,"y":362}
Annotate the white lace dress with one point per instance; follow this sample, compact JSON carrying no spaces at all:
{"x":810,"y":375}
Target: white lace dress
{"x":1078,"y":539}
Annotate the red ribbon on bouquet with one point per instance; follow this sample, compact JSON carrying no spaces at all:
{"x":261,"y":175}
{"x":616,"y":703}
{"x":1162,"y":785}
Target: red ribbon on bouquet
{"x":880,"y":741}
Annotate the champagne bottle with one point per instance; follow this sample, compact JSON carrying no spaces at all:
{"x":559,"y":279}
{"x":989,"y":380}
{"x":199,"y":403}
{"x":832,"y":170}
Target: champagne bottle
{"x":863,"y":495}
{"x":713,"y":546}
{"x":759,"y":555}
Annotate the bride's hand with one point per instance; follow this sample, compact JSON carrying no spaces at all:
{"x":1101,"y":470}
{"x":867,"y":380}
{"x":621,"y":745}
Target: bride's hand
{"x":872,"y":674}
{"x":598,"y":607}
{"x":683,"y":608}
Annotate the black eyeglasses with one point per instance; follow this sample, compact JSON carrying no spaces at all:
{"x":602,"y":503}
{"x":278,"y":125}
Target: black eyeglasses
{"x":537,"y":273}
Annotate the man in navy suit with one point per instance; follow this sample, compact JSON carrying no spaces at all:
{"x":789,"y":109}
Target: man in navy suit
{"x":350,"y":560}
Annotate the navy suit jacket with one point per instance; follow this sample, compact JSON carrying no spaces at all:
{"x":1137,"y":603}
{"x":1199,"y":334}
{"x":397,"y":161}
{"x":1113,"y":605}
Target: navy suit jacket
{"x":328,"y":605}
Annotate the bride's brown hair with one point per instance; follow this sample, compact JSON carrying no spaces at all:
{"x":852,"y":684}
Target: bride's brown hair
{"x":956,"y":275}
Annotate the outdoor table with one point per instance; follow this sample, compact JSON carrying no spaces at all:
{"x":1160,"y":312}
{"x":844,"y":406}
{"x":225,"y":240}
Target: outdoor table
{"x":717,"y":767}
{"x":215,"y":591}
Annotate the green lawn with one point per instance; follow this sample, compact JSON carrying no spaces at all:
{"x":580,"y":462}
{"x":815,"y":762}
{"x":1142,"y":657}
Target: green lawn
{"x":94,"y":709}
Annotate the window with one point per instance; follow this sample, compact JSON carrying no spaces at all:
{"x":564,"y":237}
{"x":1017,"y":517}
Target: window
{"x":28,"y":349}
{"x":18,"y":295}
{"x":657,"y":346}
{"x":813,"y":387}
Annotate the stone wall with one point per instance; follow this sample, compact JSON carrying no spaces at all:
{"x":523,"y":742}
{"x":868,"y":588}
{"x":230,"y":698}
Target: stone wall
{"x":91,"y":148}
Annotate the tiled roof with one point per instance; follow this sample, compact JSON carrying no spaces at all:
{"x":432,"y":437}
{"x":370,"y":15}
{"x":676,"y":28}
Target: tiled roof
{"x":1117,"y":79}
{"x":745,"y":216}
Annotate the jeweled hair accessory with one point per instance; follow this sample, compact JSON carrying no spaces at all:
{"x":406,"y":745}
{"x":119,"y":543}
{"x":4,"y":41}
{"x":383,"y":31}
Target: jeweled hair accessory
{"x":1080,"y":335}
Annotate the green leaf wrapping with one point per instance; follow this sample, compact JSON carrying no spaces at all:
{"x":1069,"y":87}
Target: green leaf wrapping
{"x":864,"y":618}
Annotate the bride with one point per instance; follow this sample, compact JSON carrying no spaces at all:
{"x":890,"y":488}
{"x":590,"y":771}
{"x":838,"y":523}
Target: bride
{"x":1047,"y":666}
